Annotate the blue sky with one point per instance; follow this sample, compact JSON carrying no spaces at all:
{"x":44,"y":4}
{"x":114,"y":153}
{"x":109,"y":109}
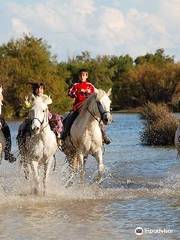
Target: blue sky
{"x":118,"y":27}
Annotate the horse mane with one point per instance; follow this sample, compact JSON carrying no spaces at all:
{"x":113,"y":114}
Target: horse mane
{"x":95,"y":96}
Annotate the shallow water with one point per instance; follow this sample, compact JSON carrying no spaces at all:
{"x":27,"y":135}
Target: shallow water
{"x":141,"y":189}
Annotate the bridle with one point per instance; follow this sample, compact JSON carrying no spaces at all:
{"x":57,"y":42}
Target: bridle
{"x":42,"y":122}
{"x":101,"y":111}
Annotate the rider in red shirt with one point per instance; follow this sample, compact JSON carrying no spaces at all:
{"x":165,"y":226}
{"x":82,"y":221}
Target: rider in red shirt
{"x":80,"y":91}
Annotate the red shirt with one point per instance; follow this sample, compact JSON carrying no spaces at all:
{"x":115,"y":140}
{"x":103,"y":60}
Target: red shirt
{"x":79,"y":92}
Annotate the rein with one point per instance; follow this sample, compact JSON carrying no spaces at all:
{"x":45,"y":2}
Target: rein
{"x":101,"y":111}
{"x":41,"y":122}
{"x":94,"y":116}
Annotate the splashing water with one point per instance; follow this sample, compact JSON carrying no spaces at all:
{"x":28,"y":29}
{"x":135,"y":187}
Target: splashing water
{"x":141,"y":186}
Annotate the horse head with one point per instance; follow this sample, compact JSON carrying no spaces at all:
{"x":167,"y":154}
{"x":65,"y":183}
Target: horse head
{"x":98,"y":105}
{"x":38,"y":116}
{"x":103,"y":105}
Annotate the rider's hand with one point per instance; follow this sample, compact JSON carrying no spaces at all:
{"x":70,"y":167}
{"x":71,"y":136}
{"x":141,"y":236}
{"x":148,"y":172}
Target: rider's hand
{"x":88,"y":91}
{"x":83,"y":91}
{"x":26,"y":98}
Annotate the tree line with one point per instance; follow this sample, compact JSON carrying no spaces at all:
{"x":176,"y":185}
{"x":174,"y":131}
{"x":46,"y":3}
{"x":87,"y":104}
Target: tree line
{"x":152,"y":77}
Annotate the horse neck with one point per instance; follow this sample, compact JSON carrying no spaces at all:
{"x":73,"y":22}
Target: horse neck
{"x":45,"y":127}
{"x":88,"y":116}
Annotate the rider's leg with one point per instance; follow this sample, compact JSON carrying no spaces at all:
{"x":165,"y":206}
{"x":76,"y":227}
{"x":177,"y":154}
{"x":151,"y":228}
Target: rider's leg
{"x":7,"y":151}
{"x":68,"y":123}
{"x":56,"y":126}
{"x":105,"y":137}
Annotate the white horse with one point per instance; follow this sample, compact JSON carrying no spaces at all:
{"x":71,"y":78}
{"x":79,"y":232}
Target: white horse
{"x":2,"y":138}
{"x":85,"y":135}
{"x":38,"y":149}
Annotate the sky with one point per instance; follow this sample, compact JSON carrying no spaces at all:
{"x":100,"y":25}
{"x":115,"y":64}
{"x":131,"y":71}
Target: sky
{"x":102,"y":27}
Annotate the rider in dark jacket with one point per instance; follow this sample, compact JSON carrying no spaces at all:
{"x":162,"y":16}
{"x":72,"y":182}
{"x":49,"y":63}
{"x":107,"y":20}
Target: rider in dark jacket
{"x":6,"y":131}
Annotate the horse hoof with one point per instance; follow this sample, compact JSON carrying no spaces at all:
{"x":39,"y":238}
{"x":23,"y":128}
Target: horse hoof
{"x":35,"y":191}
{"x":101,"y":169}
{"x":97,"y":179}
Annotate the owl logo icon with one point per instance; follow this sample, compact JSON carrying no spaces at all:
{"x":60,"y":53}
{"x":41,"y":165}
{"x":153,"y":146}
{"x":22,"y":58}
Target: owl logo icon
{"x":139,"y":231}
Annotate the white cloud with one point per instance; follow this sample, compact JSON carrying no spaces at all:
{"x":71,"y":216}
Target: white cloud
{"x":83,"y":7}
{"x":134,"y":32}
{"x":19,"y":27}
{"x":110,"y":25}
{"x":171,"y":8}
{"x":73,"y":26}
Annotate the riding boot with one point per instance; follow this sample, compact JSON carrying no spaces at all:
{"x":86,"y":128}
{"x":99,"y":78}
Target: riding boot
{"x":68,"y":123}
{"x":7,"y":151}
{"x":105,"y":137}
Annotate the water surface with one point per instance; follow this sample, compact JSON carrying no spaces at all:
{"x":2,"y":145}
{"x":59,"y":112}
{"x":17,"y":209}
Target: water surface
{"x":141,"y":189}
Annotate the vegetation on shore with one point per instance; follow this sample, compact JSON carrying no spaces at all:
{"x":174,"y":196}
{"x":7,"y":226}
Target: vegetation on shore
{"x":160,"y":125}
{"x":153,"y":77}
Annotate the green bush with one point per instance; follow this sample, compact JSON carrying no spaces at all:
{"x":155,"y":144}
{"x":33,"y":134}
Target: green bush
{"x":8,"y":111}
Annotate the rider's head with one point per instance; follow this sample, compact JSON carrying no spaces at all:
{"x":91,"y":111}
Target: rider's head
{"x":38,"y":88}
{"x":83,"y":75}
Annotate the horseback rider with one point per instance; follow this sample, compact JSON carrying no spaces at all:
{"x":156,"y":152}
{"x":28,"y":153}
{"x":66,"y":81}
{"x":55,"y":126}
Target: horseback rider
{"x":54,"y":119}
{"x":37,"y":92}
{"x":7,"y":135}
{"x":80,"y":91}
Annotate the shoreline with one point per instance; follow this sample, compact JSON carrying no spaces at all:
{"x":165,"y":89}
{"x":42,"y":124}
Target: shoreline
{"x":127,"y":111}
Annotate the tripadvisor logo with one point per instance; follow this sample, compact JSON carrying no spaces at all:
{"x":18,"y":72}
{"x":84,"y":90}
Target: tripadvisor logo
{"x":139,"y":231}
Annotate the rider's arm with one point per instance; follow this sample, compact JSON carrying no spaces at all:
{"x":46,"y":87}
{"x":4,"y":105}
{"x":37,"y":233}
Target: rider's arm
{"x":72,"y":91}
{"x":90,"y":88}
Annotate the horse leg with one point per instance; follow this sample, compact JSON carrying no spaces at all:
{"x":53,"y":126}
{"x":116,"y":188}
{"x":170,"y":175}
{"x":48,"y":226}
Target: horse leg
{"x":34,"y":167}
{"x":73,"y":166}
{"x":26,"y":167}
{"x":101,"y":168}
{"x":81,"y":165}
{"x":1,"y":152}
{"x":47,"y":167}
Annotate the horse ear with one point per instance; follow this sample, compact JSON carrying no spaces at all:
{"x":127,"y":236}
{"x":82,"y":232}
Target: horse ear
{"x":47,"y":100}
{"x":109,"y":92}
{"x":96,"y":90}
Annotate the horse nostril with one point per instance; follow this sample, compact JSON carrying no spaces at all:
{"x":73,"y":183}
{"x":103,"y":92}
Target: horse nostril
{"x":105,"y":120}
{"x":35,"y":129}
